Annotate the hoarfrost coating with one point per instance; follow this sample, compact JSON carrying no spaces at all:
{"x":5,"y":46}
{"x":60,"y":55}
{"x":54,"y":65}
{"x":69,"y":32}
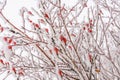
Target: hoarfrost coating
{"x":59,"y":40}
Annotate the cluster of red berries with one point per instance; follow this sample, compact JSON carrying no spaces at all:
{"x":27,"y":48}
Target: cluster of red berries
{"x":9,"y":41}
{"x":88,"y":26}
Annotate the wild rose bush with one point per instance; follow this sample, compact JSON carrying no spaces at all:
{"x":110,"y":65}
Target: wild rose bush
{"x":61,"y":42}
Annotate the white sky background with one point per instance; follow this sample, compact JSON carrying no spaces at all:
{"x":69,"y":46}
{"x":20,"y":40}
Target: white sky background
{"x":12,"y":9}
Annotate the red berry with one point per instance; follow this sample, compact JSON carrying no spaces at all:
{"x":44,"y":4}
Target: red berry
{"x":90,"y":57}
{"x":56,"y":50}
{"x":36,"y":25}
{"x":29,"y":12}
{"x":46,"y":30}
{"x":14,"y":70}
{"x":71,"y":23}
{"x":46,"y":15}
{"x":10,"y":40}
{"x":1,"y":61}
{"x":30,"y":21}
{"x":21,"y":72}
{"x":14,"y":43}
{"x":91,"y":24}
{"x":1,"y":29}
{"x":70,"y":47}
{"x":42,"y":21}
{"x":83,"y":28}
{"x":9,"y":47}
{"x":90,"y":30}
{"x":50,"y":51}
{"x":5,"y":38}
{"x":62,"y":38}
{"x":60,"y":72}
{"x":90,"y":20}
{"x":87,"y":25}
{"x":85,"y":5}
